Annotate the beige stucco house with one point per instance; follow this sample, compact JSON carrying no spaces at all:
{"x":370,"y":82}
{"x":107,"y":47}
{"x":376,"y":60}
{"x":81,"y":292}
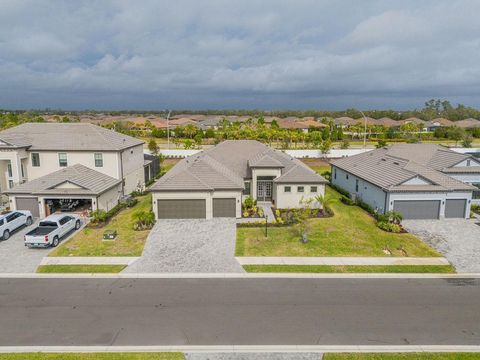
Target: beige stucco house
{"x":215,"y":182}
{"x":47,"y":166}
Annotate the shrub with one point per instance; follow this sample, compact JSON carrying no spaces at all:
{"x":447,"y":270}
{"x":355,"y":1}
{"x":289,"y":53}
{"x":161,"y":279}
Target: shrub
{"x":143,"y":220}
{"x":249,"y":203}
{"x":365,"y":206}
{"x":347,"y":201}
{"x":341,"y":191}
{"x":327,"y":175}
{"x":475,"y":208}
{"x":131,"y":202}
{"x":99,"y":216}
{"x":390,"y":227}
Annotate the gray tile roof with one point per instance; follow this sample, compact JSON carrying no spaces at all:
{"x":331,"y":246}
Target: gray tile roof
{"x":227,"y":165}
{"x":392,"y":166}
{"x":265,"y":161}
{"x":66,"y":137}
{"x":88,"y":181}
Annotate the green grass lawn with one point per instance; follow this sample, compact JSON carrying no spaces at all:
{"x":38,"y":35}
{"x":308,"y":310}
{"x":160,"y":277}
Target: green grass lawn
{"x":80,"y":268}
{"x":350,"y":232}
{"x":402,"y":356}
{"x":349,"y":269}
{"x":92,"y":356}
{"x":88,"y":242}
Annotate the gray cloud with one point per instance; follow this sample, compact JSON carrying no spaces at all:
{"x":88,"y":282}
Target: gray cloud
{"x":244,"y":54}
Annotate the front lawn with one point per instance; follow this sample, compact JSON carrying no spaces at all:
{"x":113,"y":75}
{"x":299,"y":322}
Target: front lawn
{"x":349,"y":269}
{"x":46,"y":269}
{"x":92,"y":356}
{"x":350,"y":232}
{"x":88,"y":242}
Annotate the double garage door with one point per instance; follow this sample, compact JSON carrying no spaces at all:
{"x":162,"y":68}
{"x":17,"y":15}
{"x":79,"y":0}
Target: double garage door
{"x":430,"y":209}
{"x":195,"y":208}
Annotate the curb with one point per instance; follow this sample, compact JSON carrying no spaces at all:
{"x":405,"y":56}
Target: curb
{"x":247,"y":348}
{"x":240,"y":276}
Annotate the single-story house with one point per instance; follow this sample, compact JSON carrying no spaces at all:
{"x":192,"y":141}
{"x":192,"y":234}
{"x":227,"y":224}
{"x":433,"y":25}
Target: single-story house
{"x":421,"y":181}
{"x":75,"y":186}
{"x":215,"y":182}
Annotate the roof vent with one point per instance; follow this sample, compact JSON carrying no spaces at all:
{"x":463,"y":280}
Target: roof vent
{"x":396,"y":163}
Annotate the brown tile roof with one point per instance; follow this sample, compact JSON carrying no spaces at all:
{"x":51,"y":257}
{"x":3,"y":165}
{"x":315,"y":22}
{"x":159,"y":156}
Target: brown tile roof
{"x":226,"y":165}
{"x":391,"y":166}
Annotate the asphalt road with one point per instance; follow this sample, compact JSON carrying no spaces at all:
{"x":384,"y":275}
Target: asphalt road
{"x":239,"y":312}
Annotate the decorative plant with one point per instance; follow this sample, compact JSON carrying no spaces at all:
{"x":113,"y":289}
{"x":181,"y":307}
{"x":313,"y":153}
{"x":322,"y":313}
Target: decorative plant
{"x":143,"y":220}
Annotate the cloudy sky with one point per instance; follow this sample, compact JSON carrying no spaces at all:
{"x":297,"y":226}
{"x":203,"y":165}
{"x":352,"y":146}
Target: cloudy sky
{"x":268,"y":54}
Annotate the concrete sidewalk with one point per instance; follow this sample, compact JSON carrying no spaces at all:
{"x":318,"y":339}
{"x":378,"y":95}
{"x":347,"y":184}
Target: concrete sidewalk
{"x":90,"y":260}
{"x":341,"y":261}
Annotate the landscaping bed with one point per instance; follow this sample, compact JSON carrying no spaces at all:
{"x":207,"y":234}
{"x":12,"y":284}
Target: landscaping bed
{"x":89,"y":241}
{"x":350,"y":232}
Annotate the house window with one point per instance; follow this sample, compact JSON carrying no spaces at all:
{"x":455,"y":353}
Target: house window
{"x":62,"y":159}
{"x":356,"y":185}
{"x":476,"y":193}
{"x":300,"y":189}
{"x":246,"y":190}
{"x":98,"y":159}
{"x":334,"y":173}
{"x":35,"y":159}
{"x":23,"y":170}
{"x":468,"y":162}
{"x":10,"y":184}
{"x":346,"y":175}
{"x":313,"y":189}
{"x":287,"y":189}
{"x":9,"y":169}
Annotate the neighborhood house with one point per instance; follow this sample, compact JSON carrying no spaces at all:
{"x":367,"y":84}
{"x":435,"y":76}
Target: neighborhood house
{"x":47,"y":167}
{"x":215,"y":182}
{"x":421,"y":181}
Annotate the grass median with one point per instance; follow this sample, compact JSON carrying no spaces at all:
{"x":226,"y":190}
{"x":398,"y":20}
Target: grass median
{"x":349,"y":269}
{"x":93,"y":356}
{"x":44,"y":269}
{"x":402,"y":356}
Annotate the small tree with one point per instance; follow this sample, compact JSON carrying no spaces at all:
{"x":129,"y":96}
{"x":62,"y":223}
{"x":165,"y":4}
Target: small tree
{"x":467,"y":141}
{"x":325,"y":201}
{"x":381,"y":143}
{"x":345,"y":144}
{"x":188,"y":144}
{"x":326,"y":146}
{"x":153,"y":147}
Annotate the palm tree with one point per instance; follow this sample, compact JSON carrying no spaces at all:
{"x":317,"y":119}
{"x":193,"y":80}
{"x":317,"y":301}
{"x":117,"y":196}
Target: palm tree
{"x":325,"y":202}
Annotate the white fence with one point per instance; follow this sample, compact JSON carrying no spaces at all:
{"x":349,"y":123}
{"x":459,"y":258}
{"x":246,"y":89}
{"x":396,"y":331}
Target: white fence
{"x":308,"y":153}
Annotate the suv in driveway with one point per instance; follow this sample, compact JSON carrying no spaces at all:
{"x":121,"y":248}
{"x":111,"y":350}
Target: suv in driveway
{"x":11,"y":221}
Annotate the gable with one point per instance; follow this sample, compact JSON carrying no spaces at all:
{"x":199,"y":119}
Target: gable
{"x":467,"y":162}
{"x":66,"y":185}
{"x":417,"y":180}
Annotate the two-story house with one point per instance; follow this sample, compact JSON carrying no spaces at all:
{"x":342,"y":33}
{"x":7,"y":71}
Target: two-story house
{"x":48,"y":166}
{"x":214,"y":183}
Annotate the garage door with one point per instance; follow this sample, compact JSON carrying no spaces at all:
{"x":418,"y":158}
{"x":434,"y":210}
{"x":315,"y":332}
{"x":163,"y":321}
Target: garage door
{"x":455,"y":208}
{"x":418,"y":209}
{"x":224,"y":207}
{"x":182,"y":209}
{"x":28,"y":203}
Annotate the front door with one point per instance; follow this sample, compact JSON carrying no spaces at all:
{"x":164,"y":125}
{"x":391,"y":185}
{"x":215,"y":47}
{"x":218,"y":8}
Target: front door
{"x":264,"y":190}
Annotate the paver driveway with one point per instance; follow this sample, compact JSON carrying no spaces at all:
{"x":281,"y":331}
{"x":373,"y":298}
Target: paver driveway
{"x":457,"y":239}
{"x":16,"y":258}
{"x":189,"y":246}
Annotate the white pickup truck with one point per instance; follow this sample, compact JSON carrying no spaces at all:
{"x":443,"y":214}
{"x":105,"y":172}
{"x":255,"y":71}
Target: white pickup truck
{"x":11,"y":221}
{"x":51,"y":229}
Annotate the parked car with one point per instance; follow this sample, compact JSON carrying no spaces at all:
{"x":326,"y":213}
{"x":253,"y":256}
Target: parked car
{"x":11,"y":221}
{"x":50,"y":230}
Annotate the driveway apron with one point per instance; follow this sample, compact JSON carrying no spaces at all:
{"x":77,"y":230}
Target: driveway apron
{"x":189,"y":246}
{"x":15,"y":257}
{"x":457,"y":239}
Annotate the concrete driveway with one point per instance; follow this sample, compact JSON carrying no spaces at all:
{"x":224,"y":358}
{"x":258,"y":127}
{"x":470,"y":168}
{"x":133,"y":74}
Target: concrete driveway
{"x":189,"y":246}
{"x":16,"y":258}
{"x":457,"y":239}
